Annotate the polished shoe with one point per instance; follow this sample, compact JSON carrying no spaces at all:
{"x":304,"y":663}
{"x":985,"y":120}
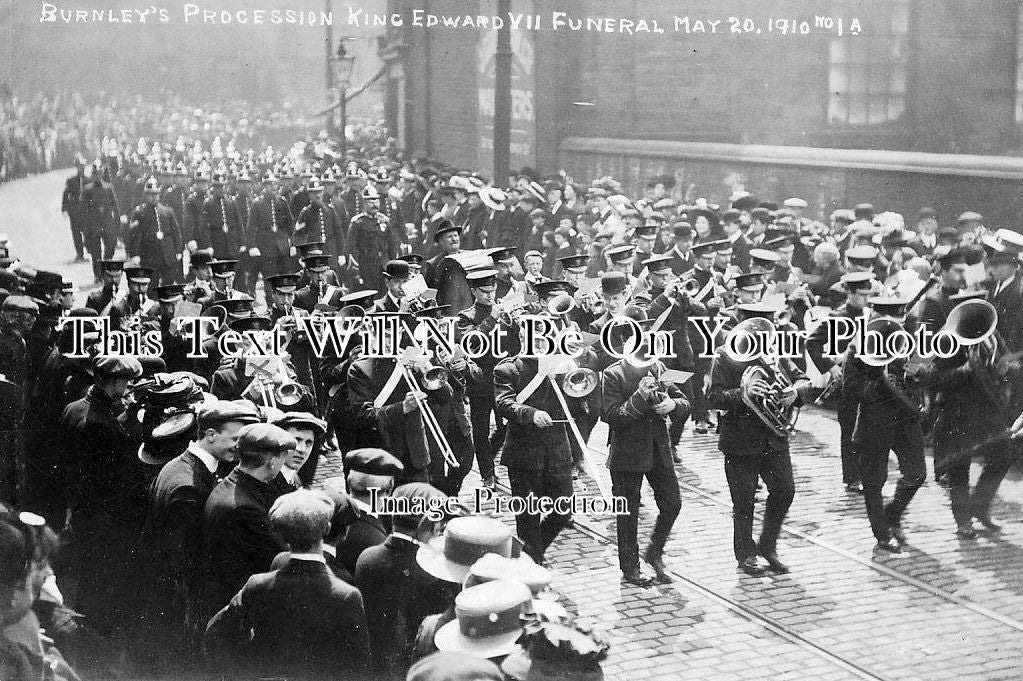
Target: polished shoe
{"x":966,"y":532}
{"x":774,"y":563}
{"x":985,"y":520}
{"x":656,"y":561}
{"x":888,"y":545}
{"x":702,"y":427}
{"x":854,"y":488}
{"x":636,"y":577}
{"x":751,"y":567}
{"x":899,"y":534}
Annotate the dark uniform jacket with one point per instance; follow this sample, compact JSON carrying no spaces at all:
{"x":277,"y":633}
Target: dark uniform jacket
{"x":298,"y":622}
{"x":372,"y":242}
{"x":72,"y":201}
{"x":818,"y":341}
{"x":230,"y":382}
{"x":153,"y":236}
{"x":221,"y":228}
{"x":639,"y":436}
{"x":881,"y":413}
{"x":740,"y":431}
{"x":398,"y":594}
{"x":527,"y":447}
{"x":98,"y":300}
{"x":193,"y":209}
{"x":100,"y":206}
{"x":239,"y":539}
{"x":318,"y":222}
{"x":269,"y":226}
{"x":1009,"y":305}
{"x":478,"y":318}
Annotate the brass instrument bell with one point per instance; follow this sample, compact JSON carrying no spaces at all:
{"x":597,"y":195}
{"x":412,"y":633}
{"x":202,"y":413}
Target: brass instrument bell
{"x":561,"y":304}
{"x":579,"y":382}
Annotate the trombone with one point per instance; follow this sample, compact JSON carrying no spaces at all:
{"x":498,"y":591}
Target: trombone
{"x":433,"y":378}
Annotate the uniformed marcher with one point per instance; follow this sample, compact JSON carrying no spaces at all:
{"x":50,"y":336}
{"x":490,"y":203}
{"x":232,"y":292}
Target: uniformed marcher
{"x":193,"y":209}
{"x":101,"y":220}
{"x":483,"y":317}
{"x":220,"y":226}
{"x":136,"y":302}
{"x":536,"y":451}
{"x":270,"y":226}
{"x":73,"y":206}
{"x":857,"y":286}
{"x":753,"y":451}
{"x":100,"y":299}
{"x":637,"y":408}
{"x":888,"y":419}
{"x":318,"y":222}
{"x":154,"y":239}
{"x":223,"y":283}
{"x":370,"y":240}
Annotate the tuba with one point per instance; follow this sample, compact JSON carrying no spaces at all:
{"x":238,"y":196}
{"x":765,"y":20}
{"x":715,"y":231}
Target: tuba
{"x":779,"y":419}
{"x":904,"y":386}
{"x":974,"y":324}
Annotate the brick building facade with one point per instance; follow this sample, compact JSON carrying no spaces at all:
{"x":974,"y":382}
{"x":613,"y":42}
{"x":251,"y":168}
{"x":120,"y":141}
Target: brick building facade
{"x":939,"y":77}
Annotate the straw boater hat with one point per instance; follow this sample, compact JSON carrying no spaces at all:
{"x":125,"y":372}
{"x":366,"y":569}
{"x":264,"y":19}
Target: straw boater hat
{"x":465,"y":540}
{"x":488,"y":619}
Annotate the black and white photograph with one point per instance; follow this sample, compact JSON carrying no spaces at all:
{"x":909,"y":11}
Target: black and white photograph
{"x":511,"y":340}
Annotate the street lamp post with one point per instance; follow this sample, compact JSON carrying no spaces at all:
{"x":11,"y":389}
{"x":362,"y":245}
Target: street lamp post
{"x":343,"y":65}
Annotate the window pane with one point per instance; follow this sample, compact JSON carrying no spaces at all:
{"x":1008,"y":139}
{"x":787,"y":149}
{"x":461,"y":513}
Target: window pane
{"x":838,"y":109}
{"x":878,"y":109}
{"x":858,"y":80}
{"x":897,"y":79}
{"x":896,"y":107}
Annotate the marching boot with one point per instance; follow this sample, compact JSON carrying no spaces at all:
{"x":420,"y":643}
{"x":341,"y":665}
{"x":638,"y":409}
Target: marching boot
{"x":655,"y":560}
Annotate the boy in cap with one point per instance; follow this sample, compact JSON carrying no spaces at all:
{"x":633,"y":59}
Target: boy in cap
{"x":307,"y":431}
{"x":301,"y":620}
{"x":239,"y":539}
{"x":370,"y":474}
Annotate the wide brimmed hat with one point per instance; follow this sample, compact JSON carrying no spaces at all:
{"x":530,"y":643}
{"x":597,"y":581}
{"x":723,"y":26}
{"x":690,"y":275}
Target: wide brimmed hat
{"x":465,"y":540}
{"x":488,"y":620}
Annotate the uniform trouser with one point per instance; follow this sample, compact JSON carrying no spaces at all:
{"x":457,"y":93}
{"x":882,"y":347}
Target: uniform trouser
{"x":77,"y":235}
{"x":480,"y":408}
{"x":699,"y":400}
{"x":109,"y":239}
{"x":966,"y":506}
{"x":451,"y":481}
{"x":742,"y":473}
{"x":678,"y":425}
{"x":536,"y":533}
{"x":627,"y":484}
{"x":94,"y":245}
{"x":846,"y":423}
{"x":907,"y":442}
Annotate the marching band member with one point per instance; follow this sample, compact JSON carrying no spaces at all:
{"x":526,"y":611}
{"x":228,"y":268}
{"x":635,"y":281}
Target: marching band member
{"x":316,"y":268}
{"x":637,"y":408}
{"x":857,"y":286}
{"x":396,"y":274}
{"x":99,"y":300}
{"x":447,"y":401}
{"x":536,"y":451}
{"x":682,"y":258}
{"x":280,"y":291}
{"x":136,"y":303}
{"x":574,"y":269}
{"x":236,"y":379}
{"x":223,"y":283}
{"x":175,"y":348}
{"x":886,"y":420}
{"x":483,"y":316}
{"x":753,"y":451}
{"x":643,"y":241}
{"x":504,"y":260}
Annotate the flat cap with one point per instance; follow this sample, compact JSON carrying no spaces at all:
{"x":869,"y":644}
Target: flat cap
{"x":19,"y":304}
{"x":502,"y":254}
{"x":372,"y":461}
{"x":112,"y":366}
{"x":171,"y":293}
{"x":316,"y":262}
{"x":253,"y":323}
{"x":48,"y":279}
{"x":139,"y":274}
{"x":238,"y":307}
{"x":658,"y":263}
{"x":265,"y":437}
{"x":301,"y":420}
{"x":763,"y":255}
{"x":215,"y":413}
{"x":750,"y":280}
{"x":310,"y":248}
{"x":570,"y":262}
